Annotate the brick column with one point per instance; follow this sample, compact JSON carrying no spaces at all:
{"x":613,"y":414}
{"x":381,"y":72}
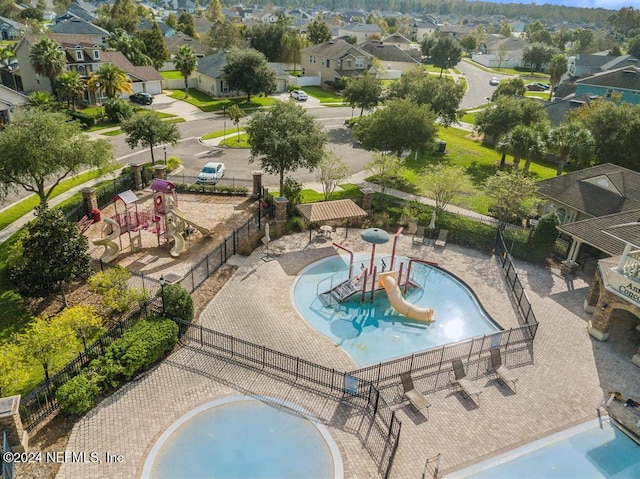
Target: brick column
{"x":367,"y":198}
{"x":281,"y":209}
{"x":137,"y":175}
{"x":257,"y":183}
{"x":589,"y":305}
{"x":10,"y":419}
{"x":89,"y":200}
{"x":160,"y":172}
{"x":598,"y":327}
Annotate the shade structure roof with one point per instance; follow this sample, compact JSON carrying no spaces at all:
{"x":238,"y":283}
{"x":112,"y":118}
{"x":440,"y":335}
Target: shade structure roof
{"x":375,"y":236}
{"x":162,"y":185}
{"x":330,"y":210}
{"x":127,"y":197}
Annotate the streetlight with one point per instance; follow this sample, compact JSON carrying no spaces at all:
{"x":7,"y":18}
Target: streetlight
{"x":162,"y":283}
{"x":165,"y":155}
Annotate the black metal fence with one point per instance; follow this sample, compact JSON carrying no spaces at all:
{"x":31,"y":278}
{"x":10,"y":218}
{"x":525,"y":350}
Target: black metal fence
{"x":8,"y":467}
{"x":104,"y":194}
{"x":381,"y":434}
{"x":224,"y":181}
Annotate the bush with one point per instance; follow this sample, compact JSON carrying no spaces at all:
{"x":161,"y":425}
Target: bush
{"x":173,"y":162}
{"x":77,"y":395}
{"x":118,"y":110}
{"x":87,"y":120}
{"x":113,"y":286}
{"x":212,"y":190}
{"x":105,"y":370}
{"x":543,"y":237}
{"x":178,"y":303}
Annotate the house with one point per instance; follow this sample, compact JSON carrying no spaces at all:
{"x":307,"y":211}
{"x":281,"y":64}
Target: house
{"x":75,"y":26}
{"x":202,"y":26}
{"x":583,"y":65}
{"x":10,"y":29}
{"x":85,"y":56}
{"x":454,"y":31}
{"x":398,"y":40}
{"x":498,"y":51}
{"x":145,"y":24}
{"x":178,"y":40}
{"x":390,"y":56}
{"x":420,"y":27}
{"x":361,"y":31}
{"x":558,"y":109}
{"x":10,"y":102}
{"x":78,"y":9}
{"x":624,"y":81}
{"x":334,"y":60}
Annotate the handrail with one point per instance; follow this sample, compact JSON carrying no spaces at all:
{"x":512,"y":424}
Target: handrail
{"x":339,"y":246}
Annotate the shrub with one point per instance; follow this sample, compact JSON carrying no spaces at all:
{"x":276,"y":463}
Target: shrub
{"x":544,"y":237}
{"x":87,"y":120}
{"x":113,"y":286}
{"x":178,"y":303}
{"x":173,"y":162}
{"x":118,"y":110}
{"x":212,"y":190}
{"x":77,"y":395}
{"x":105,"y":370}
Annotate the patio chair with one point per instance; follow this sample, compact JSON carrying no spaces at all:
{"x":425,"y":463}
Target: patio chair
{"x":418,"y":401}
{"x":505,"y":374}
{"x":418,"y":237}
{"x":442,"y":238}
{"x":468,"y":387}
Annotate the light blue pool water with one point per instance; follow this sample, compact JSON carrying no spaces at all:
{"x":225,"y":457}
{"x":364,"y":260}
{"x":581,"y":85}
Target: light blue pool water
{"x":594,"y":450}
{"x":372,"y":332}
{"x":243,"y":438}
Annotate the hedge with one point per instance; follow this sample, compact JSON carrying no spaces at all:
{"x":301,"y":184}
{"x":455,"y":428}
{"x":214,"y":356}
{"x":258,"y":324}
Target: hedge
{"x":212,"y":190}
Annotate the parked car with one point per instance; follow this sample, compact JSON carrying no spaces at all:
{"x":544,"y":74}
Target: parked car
{"x":495,"y":81}
{"x":210,"y":173}
{"x":543,"y":85}
{"x":536,"y":87}
{"x":141,"y":98}
{"x":299,"y":95}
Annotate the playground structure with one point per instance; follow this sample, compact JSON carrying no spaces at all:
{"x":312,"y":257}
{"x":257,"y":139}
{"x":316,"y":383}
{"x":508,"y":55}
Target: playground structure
{"x":340,"y":287}
{"x":164,"y":219}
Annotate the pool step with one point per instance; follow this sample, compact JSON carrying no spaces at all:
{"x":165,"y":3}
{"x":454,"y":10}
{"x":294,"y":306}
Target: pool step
{"x":344,"y":291}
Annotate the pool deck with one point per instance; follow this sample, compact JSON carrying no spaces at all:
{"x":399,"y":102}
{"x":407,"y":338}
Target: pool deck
{"x":559,"y":389}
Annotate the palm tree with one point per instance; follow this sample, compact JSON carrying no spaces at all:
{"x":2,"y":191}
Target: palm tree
{"x":571,"y":141}
{"x":48,"y":60}
{"x":186,"y":61}
{"x":40,"y":99}
{"x":71,"y":87}
{"x":557,"y":68}
{"x":109,"y":79}
{"x":524,"y":142}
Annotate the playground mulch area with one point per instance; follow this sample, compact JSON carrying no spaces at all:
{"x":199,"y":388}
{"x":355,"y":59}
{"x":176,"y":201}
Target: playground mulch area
{"x":220,"y":214}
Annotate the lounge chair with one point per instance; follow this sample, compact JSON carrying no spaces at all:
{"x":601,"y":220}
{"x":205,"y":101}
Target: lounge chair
{"x":469,"y":388}
{"x":442,"y":238}
{"x":505,"y":374}
{"x":418,"y":237}
{"x":417,"y":400}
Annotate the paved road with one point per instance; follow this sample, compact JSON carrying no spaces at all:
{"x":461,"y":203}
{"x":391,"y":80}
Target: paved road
{"x":479,"y":89}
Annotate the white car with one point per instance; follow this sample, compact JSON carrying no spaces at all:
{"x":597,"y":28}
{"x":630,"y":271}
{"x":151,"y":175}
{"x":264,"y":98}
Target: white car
{"x":495,"y":81}
{"x":210,"y":174}
{"x":299,"y":95}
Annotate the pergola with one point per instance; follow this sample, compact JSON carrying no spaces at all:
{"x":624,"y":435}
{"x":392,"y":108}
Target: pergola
{"x":325,"y":211}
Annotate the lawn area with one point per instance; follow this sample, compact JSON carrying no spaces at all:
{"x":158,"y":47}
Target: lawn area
{"x":172,"y":74}
{"x":106,"y":123}
{"x":219,"y":133}
{"x":234,"y":141}
{"x":207,"y":103}
{"x":325,"y":96}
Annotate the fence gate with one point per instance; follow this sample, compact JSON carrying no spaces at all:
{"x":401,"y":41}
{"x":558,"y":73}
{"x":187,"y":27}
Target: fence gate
{"x":7,"y":466}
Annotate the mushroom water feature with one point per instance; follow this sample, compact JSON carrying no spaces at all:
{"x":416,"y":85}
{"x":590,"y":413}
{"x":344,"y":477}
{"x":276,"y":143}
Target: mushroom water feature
{"x":374,"y":236}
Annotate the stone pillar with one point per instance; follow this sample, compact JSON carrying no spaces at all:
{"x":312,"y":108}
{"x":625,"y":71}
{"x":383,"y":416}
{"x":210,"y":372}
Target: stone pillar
{"x":137,"y":176}
{"x":10,"y":419}
{"x":589,"y":305}
{"x":599,"y":325}
{"x":89,"y":200}
{"x":367,"y":199}
{"x":257,"y":183}
{"x":281,"y":209}
{"x":160,"y":172}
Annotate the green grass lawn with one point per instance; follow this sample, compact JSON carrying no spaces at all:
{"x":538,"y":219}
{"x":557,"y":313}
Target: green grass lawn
{"x":236,"y":142}
{"x":219,"y":133}
{"x":325,"y":96}
{"x":172,"y":74}
{"x":207,"y":103}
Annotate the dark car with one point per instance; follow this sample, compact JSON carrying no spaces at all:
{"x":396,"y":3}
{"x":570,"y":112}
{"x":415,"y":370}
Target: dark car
{"x":141,"y":98}
{"x":535,"y":87}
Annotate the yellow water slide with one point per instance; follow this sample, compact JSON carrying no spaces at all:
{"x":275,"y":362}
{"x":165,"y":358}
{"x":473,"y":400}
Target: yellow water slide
{"x":110,"y":232}
{"x":404,"y":307}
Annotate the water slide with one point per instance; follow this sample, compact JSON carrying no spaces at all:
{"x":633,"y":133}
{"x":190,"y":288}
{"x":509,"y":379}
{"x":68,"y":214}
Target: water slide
{"x":185,"y":218}
{"x":178,"y":239}
{"x":404,"y":307}
{"x":111,"y":247}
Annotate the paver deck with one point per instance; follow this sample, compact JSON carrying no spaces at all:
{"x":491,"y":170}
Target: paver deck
{"x":559,"y":388}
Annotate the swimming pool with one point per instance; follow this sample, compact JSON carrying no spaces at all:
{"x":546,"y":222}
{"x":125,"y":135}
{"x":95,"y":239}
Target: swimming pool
{"x":244,"y":438}
{"x":372,"y":332}
{"x":596,"y":449}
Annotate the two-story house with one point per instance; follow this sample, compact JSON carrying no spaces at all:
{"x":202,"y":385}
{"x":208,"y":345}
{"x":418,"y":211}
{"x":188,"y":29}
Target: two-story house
{"x":498,"y":51}
{"x":582,"y":65}
{"x":624,"y":82}
{"x":11,"y":101}
{"x":10,"y":29}
{"x":391,"y":57}
{"x":334,"y":60}
{"x":361,"y":31}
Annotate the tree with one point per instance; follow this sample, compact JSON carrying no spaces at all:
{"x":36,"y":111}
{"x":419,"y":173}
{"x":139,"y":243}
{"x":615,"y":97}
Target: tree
{"x":71,"y":87}
{"x":583,"y":38}
{"x":525,"y":142}
{"x":571,"y":142}
{"x":9,"y":63}
{"x":502,"y":55}
{"x":47,"y":60}
{"x":633,"y":47}
{"x":247,"y":70}
{"x":331,"y":172}
{"x":131,"y":47}
{"x":284,"y":139}
{"x":187,"y":24}
{"x":557,"y":68}
{"x":318,"y":32}
{"x":363,"y":92}
{"x":41,"y":148}
{"x":155,"y":44}
{"x":401,"y":126}
{"x":83,"y":321}
{"x":223,"y":35}
{"x":427,"y":43}
{"x":214,"y":13}
{"x":113,"y":285}
{"x":236,"y":114}
{"x":446,"y":53}
{"x":292,"y":45}
{"x":53,"y":254}
{"x":543,"y":237}
{"x":512,"y":195}
{"x":13,"y":373}
{"x":510,"y":87}
{"x":443,"y":182}
{"x":110,"y":79}
{"x":148,"y":130}
{"x":505,"y":29}
{"x":186,"y":61}
{"x":469,"y":43}
{"x":267,"y":38}
{"x":385,"y":168}
{"x":41,"y":100}
{"x":122,"y":14}
{"x":536,"y":55}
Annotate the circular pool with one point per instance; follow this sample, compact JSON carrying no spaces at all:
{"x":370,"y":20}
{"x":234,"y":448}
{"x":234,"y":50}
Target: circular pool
{"x":373,"y":331}
{"x":244,"y":438}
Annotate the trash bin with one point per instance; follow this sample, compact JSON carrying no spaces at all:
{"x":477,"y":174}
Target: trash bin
{"x":96,"y":215}
{"x":441,"y":146}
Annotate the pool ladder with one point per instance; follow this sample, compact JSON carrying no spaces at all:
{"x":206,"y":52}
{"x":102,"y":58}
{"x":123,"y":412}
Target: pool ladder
{"x":343,"y":291}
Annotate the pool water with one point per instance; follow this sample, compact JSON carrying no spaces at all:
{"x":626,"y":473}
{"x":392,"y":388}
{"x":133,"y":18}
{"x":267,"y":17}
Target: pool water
{"x":243,"y":438}
{"x":594,"y":450}
{"x":372,"y":332}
